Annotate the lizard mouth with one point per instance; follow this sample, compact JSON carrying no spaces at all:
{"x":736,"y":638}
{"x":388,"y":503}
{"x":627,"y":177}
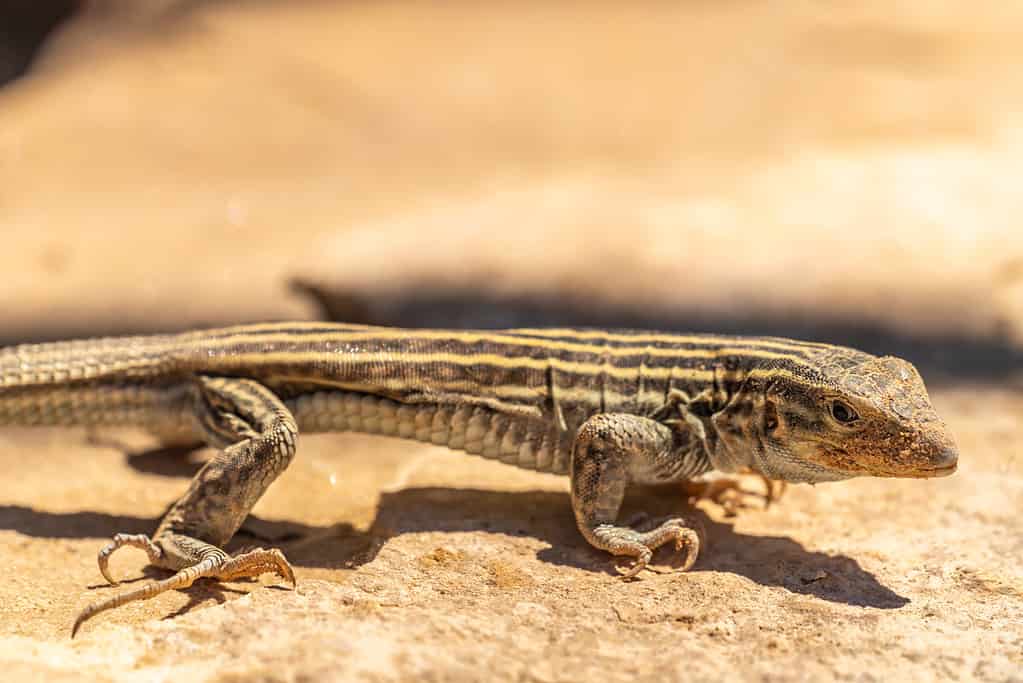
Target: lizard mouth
{"x":946,"y":465}
{"x":943,"y":471}
{"x":943,"y":463}
{"x":940,"y":462}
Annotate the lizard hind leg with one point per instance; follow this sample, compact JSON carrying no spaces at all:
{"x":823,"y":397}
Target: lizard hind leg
{"x":609,"y":450}
{"x":261,"y":433}
{"x":212,"y":562}
{"x":730,"y":493}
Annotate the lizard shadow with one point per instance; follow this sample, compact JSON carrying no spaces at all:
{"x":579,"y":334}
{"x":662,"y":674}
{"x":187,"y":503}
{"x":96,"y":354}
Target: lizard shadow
{"x":765,"y":560}
{"x":773,"y":561}
{"x":167,"y":461}
{"x":99,"y":525}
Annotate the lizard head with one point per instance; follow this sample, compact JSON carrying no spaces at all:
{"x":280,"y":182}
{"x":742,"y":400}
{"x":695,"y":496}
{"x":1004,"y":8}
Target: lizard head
{"x":862,"y":415}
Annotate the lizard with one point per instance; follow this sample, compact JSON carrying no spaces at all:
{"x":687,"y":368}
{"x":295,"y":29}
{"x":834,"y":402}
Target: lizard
{"x":606,"y":408}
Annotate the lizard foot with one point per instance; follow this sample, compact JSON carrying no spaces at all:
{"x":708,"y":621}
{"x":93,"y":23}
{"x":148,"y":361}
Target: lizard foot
{"x":213,"y":563}
{"x":620,"y":540}
{"x":729,"y":493}
{"x":140,"y":541}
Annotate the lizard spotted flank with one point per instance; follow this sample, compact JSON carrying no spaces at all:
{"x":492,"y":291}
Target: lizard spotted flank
{"x":605,"y":408}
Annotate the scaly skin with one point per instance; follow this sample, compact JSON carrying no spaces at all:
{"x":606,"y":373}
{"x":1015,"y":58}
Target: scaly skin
{"x":606,"y":408}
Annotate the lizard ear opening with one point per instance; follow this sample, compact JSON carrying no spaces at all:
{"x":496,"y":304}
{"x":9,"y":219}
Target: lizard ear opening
{"x":770,"y":417}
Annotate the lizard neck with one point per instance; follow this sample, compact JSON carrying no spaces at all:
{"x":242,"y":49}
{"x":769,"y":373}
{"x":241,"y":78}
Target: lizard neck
{"x":735,"y":439}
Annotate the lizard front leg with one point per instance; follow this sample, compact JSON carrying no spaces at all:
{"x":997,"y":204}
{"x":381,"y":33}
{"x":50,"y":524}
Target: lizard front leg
{"x":725,"y":490}
{"x":257,"y":435}
{"x":610,"y":450}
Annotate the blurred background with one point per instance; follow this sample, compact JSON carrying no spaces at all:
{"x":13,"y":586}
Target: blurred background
{"x":847,"y":173}
{"x":843,"y":172}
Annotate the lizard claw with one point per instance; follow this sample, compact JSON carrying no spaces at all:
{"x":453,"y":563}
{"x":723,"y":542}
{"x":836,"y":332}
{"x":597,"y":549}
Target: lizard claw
{"x":641,"y":545}
{"x":140,"y":541}
{"x":638,"y":565}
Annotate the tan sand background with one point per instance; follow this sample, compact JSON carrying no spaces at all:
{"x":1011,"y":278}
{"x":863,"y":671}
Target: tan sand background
{"x":845,"y":172}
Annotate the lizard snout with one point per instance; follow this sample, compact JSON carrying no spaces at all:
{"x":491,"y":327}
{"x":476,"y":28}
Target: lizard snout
{"x":945,"y":461}
{"x":941,"y":456}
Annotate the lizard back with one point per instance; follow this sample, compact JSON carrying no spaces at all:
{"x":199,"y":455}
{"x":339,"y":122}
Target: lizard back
{"x":517,"y":395}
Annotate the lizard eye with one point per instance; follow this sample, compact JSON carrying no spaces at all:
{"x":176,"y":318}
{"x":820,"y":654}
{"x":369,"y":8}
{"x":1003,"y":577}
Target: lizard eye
{"x":843,"y":412}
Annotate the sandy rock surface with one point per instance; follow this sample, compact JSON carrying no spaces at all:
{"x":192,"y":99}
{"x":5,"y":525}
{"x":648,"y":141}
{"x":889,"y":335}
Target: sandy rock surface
{"x":412,"y":561}
{"x":732,"y":164}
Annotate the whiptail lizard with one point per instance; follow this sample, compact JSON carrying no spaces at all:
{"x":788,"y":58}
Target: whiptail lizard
{"x":605,"y":408}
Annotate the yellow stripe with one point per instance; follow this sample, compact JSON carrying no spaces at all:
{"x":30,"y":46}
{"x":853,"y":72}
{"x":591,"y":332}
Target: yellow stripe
{"x":660,"y":337}
{"x":387,"y":334}
{"x":517,"y":390}
{"x":471,"y":336}
{"x":218,"y":332}
{"x":257,"y":359}
{"x":520,"y":392}
{"x":463,"y":388}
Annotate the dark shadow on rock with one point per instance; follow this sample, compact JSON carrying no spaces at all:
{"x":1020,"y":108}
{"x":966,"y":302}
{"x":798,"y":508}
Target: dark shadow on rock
{"x":167,"y":461}
{"x":306,"y":546}
{"x":172,"y":460}
{"x":42,"y":524}
{"x":945,"y":357}
{"x":24,"y":27}
{"x":200,"y":592}
{"x":766,"y":560}
{"x":256,"y":530}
